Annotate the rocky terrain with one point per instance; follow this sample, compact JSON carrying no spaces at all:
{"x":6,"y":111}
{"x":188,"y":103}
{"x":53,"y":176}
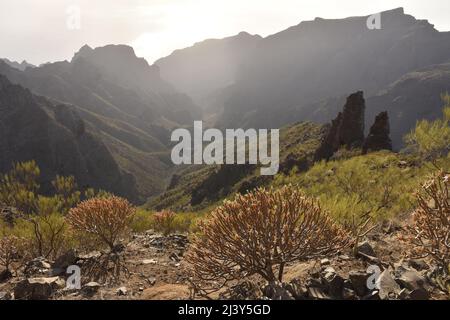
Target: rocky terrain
{"x":155,"y":269}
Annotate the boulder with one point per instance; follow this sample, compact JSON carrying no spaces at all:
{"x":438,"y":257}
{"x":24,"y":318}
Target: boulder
{"x":414,"y":282}
{"x":90,"y":288}
{"x":39,"y":265}
{"x":277,"y":291}
{"x":334,"y":284}
{"x":37,"y":288}
{"x":358,"y":281}
{"x":388,"y":288}
{"x":5,"y":275}
{"x":65,"y":260}
{"x":366,"y":249}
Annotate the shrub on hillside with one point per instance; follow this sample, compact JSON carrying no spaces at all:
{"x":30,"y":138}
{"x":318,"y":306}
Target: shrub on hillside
{"x":18,"y":187}
{"x":11,"y":249}
{"x":164,"y":222}
{"x":259,"y":233}
{"x":431,"y":139}
{"x":106,"y":219}
{"x":431,"y":221}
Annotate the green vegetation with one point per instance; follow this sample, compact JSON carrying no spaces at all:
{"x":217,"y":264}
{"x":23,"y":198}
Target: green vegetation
{"x":183,"y":222}
{"x":431,"y":139}
{"x":197,"y":188}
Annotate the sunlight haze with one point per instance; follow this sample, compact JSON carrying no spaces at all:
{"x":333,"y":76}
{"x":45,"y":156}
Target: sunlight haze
{"x":37,"y":30}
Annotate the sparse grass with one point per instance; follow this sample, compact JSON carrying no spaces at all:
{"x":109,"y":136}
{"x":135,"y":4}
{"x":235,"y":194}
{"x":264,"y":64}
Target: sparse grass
{"x":381,"y":184}
{"x":183,"y":222}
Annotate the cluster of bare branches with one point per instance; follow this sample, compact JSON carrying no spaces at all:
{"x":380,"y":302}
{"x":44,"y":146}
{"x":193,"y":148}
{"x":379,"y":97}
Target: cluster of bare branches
{"x":106,"y":219}
{"x":12,"y":249}
{"x":164,"y":222}
{"x":430,"y":232}
{"x":259,"y":233}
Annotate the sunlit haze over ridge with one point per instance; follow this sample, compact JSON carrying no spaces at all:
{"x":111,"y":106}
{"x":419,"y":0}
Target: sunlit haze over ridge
{"x":37,"y":31}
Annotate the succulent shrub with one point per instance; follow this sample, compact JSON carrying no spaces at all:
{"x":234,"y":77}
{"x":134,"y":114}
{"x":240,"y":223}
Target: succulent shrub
{"x":259,"y":233}
{"x":105,"y":219}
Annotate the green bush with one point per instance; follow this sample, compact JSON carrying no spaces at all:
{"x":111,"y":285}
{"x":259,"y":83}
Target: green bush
{"x":431,"y":139}
{"x":379,"y":184}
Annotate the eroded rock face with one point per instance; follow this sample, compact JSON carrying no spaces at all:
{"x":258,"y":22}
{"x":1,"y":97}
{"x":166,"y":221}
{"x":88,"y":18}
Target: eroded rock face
{"x":347,"y":129}
{"x":351,"y":131}
{"x":378,"y":138}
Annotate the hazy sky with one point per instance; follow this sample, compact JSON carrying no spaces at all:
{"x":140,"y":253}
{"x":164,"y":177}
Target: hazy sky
{"x":48,"y":30}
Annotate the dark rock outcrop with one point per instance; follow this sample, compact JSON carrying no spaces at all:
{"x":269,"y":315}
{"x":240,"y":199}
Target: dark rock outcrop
{"x":378,"y":138}
{"x":346,"y":130}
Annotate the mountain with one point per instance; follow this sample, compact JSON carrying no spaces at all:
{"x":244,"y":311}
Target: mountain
{"x":36,"y":128}
{"x":125,"y":102}
{"x":206,"y":68}
{"x":198,"y":186}
{"x":414,"y":96}
{"x":324,"y":59}
{"x":20,"y":66}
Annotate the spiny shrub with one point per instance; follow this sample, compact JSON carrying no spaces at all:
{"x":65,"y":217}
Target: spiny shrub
{"x":430,"y":232}
{"x":164,"y":222}
{"x":11,"y":249}
{"x":106,"y":219}
{"x":259,"y":233}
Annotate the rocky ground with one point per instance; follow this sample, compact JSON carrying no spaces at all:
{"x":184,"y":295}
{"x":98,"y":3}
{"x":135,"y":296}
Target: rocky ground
{"x":155,"y":270}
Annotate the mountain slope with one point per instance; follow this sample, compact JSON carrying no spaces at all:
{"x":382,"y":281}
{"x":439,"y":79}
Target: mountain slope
{"x":53,"y":134}
{"x":196,"y":187}
{"x":125,"y":102}
{"x":207,"y":67}
{"x":415,"y":96}
{"x":20,"y":66}
{"x":321,"y":59}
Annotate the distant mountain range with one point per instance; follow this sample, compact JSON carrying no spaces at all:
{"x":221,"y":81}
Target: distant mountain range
{"x":127,"y":108}
{"x":298,"y":73}
{"x":53,"y":134}
{"x":124,"y":103}
{"x":20,"y":66}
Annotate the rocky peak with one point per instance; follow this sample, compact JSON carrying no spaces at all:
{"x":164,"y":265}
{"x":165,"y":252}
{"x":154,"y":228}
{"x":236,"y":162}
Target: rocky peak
{"x":378,"y":138}
{"x":347,"y":129}
{"x":352,"y":126}
{"x":83,"y":52}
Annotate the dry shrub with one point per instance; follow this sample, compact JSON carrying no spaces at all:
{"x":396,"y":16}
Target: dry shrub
{"x":12,"y":248}
{"x":106,"y":219}
{"x":431,"y":221}
{"x":164,"y":222}
{"x":258,"y":233}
